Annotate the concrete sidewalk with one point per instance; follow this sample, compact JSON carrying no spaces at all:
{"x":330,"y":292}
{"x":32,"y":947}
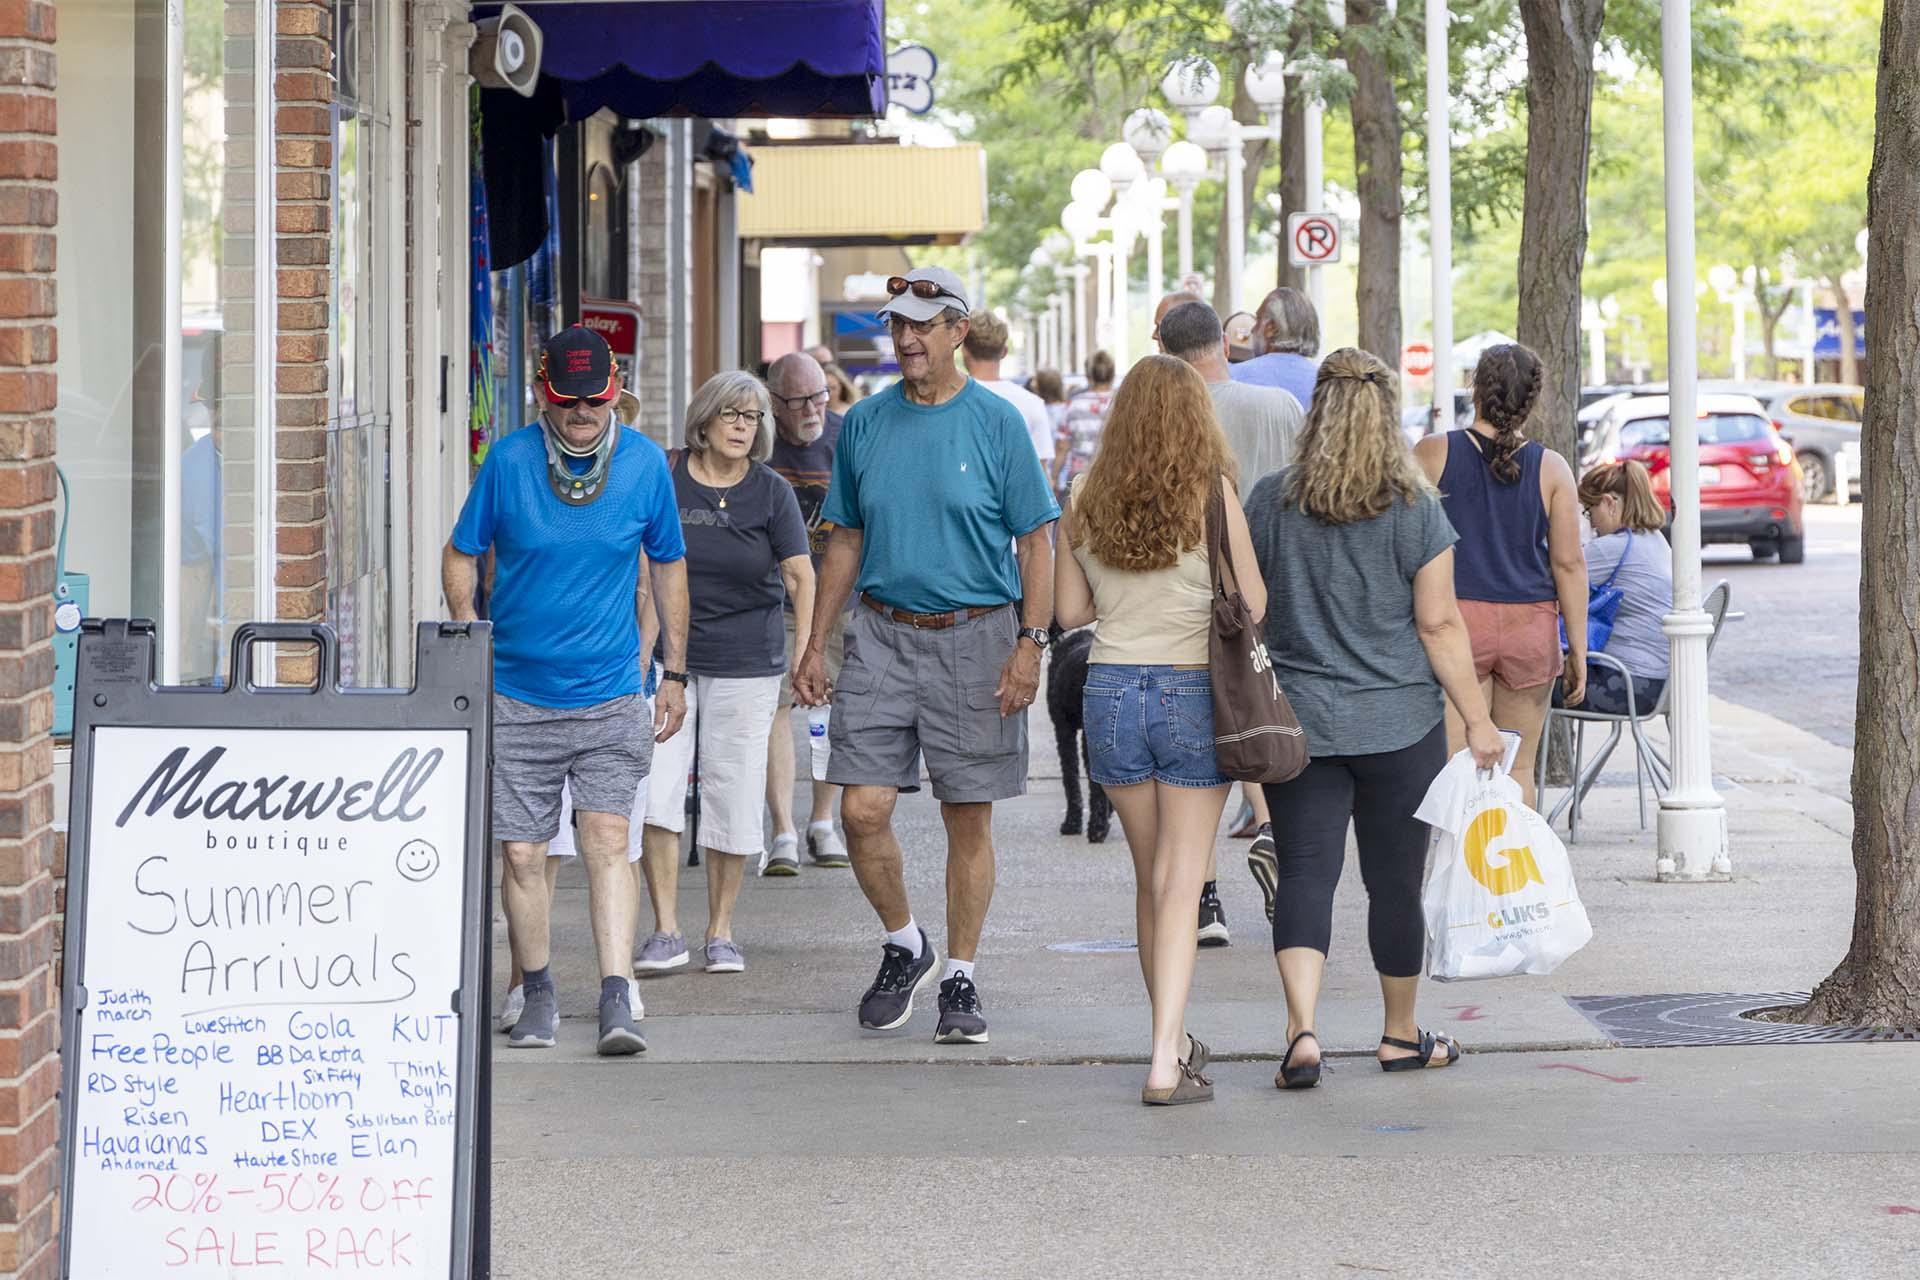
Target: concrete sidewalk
{"x":765,"y":1134}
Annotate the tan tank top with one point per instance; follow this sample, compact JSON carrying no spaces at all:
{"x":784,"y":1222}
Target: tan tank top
{"x":1150,"y":618}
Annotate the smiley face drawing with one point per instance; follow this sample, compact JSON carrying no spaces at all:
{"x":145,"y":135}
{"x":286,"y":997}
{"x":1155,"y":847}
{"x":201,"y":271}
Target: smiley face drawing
{"x":417,"y":861}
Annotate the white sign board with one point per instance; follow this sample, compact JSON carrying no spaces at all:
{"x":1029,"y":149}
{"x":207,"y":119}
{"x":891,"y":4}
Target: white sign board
{"x":1313,"y":239}
{"x":910,"y":72}
{"x":268,"y":1057}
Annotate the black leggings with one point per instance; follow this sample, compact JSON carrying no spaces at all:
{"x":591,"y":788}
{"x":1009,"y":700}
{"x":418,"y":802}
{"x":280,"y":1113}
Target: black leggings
{"x":1379,"y":794}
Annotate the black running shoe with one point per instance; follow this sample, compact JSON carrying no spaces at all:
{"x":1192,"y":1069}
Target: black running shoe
{"x":1265,"y":865}
{"x":889,"y":1001}
{"x":960,"y":1020}
{"x":1213,"y":920}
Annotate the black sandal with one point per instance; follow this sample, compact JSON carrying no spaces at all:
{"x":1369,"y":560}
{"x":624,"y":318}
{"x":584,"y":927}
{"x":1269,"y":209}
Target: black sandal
{"x":1291,"y":1077}
{"x":1429,"y":1041}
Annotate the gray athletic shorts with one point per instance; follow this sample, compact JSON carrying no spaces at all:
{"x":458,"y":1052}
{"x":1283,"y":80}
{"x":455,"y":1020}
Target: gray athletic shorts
{"x":905,"y":692}
{"x":600,"y":753}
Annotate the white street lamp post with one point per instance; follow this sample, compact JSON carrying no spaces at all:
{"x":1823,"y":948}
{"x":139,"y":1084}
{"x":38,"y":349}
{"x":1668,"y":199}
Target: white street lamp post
{"x":1150,"y":133}
{"x":1315,"y":165}
{"x":1215,"y":129}
{"x":1440,"y":210}
{"x":1693,"y":820}
{"x":1185,"y":164}
{"x":1121,"y":166}
{"x":1266,"y":82}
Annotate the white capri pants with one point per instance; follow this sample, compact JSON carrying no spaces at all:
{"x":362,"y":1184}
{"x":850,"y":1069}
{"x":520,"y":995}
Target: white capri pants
{"x":732,"y":718}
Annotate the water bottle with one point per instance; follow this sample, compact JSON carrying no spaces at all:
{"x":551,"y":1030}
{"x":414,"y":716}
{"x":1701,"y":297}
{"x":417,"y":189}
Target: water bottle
{"x":817,"y":718}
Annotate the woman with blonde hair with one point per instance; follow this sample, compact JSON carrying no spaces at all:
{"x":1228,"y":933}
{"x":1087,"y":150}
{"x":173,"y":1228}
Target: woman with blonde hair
{"x":1133,"y":557}
{"x":1629,"y":550}
{"x":1364,"y":633}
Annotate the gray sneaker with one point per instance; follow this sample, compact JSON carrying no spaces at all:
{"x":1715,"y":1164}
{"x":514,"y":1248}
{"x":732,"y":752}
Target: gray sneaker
{"x":618,"y":1035}
{"x":539,"y":1021}
{"x":784,"y":858}
{"x":660,"y":953}
{"x":724,"y":957}
{"x":826,"y":848}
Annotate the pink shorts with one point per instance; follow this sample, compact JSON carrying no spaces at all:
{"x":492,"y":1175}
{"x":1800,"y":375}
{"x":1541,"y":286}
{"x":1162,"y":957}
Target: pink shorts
{"x":1516,"y":644}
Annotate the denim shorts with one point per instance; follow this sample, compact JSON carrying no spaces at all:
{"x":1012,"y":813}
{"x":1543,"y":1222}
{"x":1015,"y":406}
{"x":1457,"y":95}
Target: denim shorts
{"x":1150,"y":724}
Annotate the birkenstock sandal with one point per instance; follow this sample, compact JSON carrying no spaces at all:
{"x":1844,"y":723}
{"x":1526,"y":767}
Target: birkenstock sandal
{"x":1429,"y":1041}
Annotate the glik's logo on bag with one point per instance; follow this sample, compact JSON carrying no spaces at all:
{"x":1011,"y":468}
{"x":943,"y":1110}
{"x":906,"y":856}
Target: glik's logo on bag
{"x":1517,"y":869}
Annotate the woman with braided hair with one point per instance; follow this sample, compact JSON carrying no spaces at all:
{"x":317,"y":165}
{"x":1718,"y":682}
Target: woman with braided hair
{"x":1518,"y":567}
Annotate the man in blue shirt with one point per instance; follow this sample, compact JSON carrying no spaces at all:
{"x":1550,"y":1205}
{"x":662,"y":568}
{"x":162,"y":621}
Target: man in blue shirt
{"x":1286,"y":344}
{"x":568,"y":506}
{"x":940,"y":513}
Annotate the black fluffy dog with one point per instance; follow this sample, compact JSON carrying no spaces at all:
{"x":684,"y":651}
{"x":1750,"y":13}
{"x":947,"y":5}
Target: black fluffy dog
{"x":1066,"y":682}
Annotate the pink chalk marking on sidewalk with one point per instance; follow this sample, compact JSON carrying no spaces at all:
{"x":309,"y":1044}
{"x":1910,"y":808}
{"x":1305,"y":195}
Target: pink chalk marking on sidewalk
{"x":1898,"y":1209}
{"x":1588,"y":1071}
{"x":1468,"y":1012}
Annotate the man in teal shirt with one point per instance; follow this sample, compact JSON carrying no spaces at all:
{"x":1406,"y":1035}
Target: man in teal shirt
{"x":940,"y":516}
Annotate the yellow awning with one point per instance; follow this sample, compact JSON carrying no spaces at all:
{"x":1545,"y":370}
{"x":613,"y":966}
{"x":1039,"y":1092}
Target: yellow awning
{"x":865,"y":194}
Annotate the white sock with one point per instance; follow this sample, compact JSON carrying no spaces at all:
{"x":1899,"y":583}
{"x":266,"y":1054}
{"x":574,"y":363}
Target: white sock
{"x":909,"y":937}
{"x":958,"y":966}
{"x":825,"y":824}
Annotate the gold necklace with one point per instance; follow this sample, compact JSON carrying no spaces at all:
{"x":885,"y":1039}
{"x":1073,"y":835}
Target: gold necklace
{"x":719,"y":495}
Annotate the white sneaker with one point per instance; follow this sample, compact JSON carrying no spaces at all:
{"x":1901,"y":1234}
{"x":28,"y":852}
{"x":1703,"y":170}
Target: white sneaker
{"x":825,"y":847}
{"x":510,"y":1012}
{"x":784,"y":858}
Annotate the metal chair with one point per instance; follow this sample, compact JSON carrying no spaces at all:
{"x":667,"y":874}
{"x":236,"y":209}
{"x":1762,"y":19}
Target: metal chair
{"x":1648,"y":763}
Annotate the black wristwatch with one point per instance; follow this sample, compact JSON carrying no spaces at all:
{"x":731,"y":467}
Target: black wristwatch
{"x":1038,"y":635}
{"x":678,"y":677}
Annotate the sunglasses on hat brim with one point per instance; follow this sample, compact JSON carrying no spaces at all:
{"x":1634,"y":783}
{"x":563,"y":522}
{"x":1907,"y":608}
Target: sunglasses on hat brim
{"x":926,"y":289}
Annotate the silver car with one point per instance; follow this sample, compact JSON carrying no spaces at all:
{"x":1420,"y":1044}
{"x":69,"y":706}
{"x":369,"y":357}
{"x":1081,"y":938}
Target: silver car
{"x":1820,"y":420}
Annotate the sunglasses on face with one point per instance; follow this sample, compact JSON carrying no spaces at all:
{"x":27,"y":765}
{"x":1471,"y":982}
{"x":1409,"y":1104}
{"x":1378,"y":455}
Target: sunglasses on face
{"x":919,"y":328}
{"x":928,"y":289}
{"x":796,"y":402}
{"x":733,"y":417}
{"x":574,"y":402}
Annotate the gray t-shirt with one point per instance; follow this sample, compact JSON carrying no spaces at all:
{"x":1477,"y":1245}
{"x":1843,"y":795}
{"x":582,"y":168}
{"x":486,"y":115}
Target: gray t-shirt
{"x":1647,"y":581}
{"x":1259,"y":423}
{"x":1340,"y":626}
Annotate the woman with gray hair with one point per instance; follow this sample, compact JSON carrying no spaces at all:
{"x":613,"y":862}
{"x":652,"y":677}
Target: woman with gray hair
{"x":746,"y":550}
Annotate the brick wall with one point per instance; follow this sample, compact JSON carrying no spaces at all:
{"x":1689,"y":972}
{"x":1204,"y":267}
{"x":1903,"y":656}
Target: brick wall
{"x":29,"y":997}
{"x":648,"y":282}
{"x":303,"y":153}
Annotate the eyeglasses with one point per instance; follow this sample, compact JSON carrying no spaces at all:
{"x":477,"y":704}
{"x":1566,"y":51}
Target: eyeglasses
{"x":574,"y":402}
{"x":733,"y":417}
{"x":919,"y":328}
{"x":928,"y":289}
{"x":795,"y":402}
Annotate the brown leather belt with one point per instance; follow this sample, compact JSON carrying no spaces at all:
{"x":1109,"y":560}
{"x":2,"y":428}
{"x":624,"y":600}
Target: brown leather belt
{"x":928,"y":621}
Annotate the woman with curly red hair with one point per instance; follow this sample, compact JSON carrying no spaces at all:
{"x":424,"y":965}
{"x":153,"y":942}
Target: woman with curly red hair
{"x":1133,"y":557}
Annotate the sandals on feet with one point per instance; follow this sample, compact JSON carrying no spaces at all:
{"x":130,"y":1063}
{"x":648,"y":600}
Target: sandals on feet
{"x":1302,"y":1077}
{"x":1191,"y":1086}
{"x":1423,"y":1051}
{"x":1198,"y":1055}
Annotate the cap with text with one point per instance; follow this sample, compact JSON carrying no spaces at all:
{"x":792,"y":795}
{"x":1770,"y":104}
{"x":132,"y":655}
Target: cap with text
{"x":576,"y":362}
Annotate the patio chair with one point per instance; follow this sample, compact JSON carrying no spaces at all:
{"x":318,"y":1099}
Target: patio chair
{"x":1648,"y":763}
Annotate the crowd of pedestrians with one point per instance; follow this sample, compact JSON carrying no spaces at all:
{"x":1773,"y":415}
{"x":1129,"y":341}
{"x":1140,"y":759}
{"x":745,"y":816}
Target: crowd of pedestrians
{"x":904,"y":559}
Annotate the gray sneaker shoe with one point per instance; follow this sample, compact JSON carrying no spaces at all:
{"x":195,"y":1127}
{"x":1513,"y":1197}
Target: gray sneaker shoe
{"x":724,"y":957}
{"x":784,"y":858}
{"x":826,"y":848}
{"x":660,"y":953}
{"x":539,"y":1021}
{"x":618,"y":1035}
{"x":889,"y":1001}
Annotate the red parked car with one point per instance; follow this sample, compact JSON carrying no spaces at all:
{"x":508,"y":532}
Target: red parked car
{"x":1749,"y":479}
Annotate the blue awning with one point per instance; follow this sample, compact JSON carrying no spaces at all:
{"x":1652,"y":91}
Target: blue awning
{"x":713,"y":58}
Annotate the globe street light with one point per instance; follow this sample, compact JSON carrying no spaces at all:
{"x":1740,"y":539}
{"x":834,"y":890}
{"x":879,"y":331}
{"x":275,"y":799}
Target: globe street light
{"x":1185,"y":164}
{"x":1082,"y":221}
{"x":1122,"y":167}
{"x":1215,"y":129}
{"x":1266,"y":82}
{"x":1190,"y":84}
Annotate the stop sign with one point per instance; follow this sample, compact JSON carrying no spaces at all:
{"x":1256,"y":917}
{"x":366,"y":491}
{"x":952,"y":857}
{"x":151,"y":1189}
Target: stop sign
{"x":1417,"y":359}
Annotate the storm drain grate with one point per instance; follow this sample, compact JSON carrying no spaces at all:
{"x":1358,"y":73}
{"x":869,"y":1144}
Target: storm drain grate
{"x":1714,"y":1018}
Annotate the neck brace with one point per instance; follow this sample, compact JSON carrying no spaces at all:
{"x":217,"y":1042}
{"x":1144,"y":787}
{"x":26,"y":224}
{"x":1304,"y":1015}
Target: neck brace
{"x":577,"y":489}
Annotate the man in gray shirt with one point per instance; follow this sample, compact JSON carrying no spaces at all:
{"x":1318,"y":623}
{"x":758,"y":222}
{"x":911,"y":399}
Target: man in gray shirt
{"x":1260,"y":423}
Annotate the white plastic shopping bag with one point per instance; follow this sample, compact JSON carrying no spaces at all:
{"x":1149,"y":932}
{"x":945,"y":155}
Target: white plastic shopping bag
{"x":1500,"y":898}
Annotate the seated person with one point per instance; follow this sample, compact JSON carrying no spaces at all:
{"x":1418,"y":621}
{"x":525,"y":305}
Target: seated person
{"x":1627,"y":521}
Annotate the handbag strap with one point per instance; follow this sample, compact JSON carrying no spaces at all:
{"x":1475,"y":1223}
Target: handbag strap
{"x":1624,"y":553}
{"x":1218,"y":558}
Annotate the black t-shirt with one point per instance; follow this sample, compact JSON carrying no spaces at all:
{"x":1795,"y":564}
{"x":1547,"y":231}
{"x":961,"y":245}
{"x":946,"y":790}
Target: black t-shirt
{"x":809,"y":469}
{"x":733,"y":570}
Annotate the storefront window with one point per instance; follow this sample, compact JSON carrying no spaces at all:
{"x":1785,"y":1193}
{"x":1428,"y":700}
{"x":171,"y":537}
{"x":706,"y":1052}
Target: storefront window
{"x":159,"y":316}
{"x":358,"y":430}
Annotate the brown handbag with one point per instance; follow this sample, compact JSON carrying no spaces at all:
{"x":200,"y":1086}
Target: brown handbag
{"x":1256,"y":736}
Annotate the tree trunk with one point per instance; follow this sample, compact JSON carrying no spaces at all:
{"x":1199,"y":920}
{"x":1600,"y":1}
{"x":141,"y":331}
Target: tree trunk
{"x":1256,"y":156}
{"x":1770,"y":316}
{"x":1293,"y":178}
{"x":1553,"y":226}
{"x":1376,"y":153}
{"x":1878,"y":984}
{"x":1849,"y":334}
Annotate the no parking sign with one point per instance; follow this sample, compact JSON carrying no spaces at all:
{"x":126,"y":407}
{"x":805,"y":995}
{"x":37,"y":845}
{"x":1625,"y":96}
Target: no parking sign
{"x":1313,"y":239}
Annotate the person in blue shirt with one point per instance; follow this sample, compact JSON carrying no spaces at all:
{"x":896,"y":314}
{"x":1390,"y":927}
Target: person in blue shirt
{"x":941,"y":520}
{"x":569,"y":506}
{"x":1286,"y":345}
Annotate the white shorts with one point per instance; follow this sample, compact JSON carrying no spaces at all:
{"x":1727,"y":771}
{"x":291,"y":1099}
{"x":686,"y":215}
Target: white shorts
{"x":732,"y":719}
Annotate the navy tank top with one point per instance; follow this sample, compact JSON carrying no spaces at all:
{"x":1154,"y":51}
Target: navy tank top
{"x":1501,"y":557}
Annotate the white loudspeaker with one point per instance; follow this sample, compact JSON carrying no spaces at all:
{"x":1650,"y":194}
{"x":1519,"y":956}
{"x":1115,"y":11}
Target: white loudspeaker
{"x":506,"y":52}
